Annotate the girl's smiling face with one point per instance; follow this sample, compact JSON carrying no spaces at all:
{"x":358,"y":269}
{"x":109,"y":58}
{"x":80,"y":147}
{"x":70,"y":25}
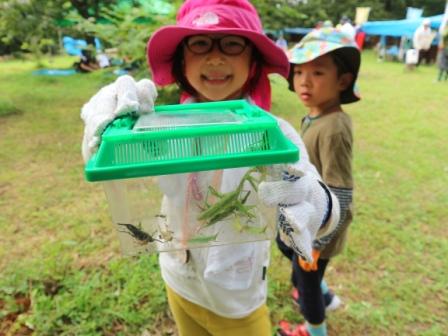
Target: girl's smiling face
{"x":216,"y":75}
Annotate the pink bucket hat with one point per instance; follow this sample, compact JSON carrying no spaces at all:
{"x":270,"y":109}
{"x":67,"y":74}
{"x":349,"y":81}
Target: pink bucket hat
{"x":235,"y":17}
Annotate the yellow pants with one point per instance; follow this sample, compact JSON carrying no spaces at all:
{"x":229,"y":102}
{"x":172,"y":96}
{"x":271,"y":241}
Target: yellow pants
{"x":194,"y":320}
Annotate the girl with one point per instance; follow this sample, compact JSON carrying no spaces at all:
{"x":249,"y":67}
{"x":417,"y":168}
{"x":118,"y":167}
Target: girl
{"x":217,"y":51}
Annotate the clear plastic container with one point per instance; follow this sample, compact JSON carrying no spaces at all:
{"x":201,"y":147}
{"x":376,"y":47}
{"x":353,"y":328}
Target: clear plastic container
{"x":194,"y":118}
{"x":147,"y":222}
{"x":202,"y":142}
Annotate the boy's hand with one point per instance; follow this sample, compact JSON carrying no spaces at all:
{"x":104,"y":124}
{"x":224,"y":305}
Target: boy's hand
{"x":303,"y":205}
{"x":122,"y":97}
{"x":312,"y":266}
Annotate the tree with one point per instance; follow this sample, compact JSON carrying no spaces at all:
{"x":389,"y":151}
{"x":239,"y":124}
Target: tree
{"x":35,"y":25}
{"x":279,"y":14}
{"x":397,"y":9}
{"x":28,"y":25}
{"x":127,"y":26}
{"x":91,"y":9}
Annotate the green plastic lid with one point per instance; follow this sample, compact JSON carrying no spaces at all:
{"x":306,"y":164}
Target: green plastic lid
{"x":190,"y":137}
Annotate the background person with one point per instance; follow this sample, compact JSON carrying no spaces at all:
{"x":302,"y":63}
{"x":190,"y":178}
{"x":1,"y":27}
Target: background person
{"x":282,"y":43}
{"x":422,"y":39}
{"x":87,"y":62}
{"x":347,"y":27}
{"x":443,"y":53}
{"x":102,"y":60}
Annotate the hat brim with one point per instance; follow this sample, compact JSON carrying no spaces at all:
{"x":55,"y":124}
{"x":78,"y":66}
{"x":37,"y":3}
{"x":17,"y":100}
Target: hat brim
{"x":163,"y":44}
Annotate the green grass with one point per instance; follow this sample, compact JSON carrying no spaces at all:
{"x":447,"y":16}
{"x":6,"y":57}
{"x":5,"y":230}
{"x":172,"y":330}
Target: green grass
{"x":61,"y":273}
{"x":7,"y":108}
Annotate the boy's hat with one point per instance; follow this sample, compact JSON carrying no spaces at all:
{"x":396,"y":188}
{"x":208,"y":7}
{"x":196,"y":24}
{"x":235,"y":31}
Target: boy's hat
{"x":233,"y":17}
{"x":323,"y":41}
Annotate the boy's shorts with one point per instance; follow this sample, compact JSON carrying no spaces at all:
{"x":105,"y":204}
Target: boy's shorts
{"x":192,"y":319}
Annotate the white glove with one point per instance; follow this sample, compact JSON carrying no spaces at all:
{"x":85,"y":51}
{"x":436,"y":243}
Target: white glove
{"x":303,"y":205}
{"x":122,"y":97}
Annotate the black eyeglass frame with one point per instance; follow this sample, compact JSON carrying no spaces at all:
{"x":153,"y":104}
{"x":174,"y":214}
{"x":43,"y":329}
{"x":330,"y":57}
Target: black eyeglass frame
{"x":216,"y":40}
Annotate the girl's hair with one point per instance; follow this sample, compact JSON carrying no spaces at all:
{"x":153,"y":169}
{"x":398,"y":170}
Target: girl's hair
{"x":178,"y":70}
{"x":339,"y":58}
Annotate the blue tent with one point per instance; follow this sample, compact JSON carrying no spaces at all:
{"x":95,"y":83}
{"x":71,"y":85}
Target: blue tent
{"x":398,"y":28}
{"x":73,"y":46}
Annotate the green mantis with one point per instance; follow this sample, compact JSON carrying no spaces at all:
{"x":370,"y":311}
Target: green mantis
{"x":233,"y":202}
{"x":203,"y":239}
{"x":242,"y":227}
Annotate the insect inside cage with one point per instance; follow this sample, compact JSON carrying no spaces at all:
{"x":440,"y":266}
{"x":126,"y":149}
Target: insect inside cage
{"x":203,"y":239}
{"x":138,"y":234}
{"x":164,"y":233}
{"x":232,"y":203}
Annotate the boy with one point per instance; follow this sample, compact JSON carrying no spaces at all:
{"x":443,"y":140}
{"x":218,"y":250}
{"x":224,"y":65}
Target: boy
{"x":324,"y":67}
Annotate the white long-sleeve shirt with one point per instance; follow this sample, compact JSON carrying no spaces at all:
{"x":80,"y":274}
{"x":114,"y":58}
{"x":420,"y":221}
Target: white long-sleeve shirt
{"x":423,"y":37}
{"x":228,"y":280}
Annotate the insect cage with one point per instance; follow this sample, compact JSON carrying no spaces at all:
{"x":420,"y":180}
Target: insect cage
{"x":166,"y":175}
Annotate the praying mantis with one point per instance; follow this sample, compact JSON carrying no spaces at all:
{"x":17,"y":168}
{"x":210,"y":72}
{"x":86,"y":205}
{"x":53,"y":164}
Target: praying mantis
{"x":233,"y":202}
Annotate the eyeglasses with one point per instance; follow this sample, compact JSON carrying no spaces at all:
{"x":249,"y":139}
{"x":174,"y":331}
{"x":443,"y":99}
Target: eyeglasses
{"x":231,"y":45}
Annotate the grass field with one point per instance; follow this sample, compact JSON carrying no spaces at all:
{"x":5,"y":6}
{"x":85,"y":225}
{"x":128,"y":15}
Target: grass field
{"x":61,"y":272}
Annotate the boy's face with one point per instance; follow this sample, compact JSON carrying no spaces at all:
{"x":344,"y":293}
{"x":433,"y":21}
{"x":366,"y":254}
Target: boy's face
{"x":215,"y":75}
{"x":317,"y":83}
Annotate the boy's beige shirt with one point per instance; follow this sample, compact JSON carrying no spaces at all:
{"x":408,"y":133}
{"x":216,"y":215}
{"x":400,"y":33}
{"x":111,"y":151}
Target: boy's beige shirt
{"x":329,"y":140}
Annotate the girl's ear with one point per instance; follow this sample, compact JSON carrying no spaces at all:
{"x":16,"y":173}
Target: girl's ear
{"x":345,"y":80}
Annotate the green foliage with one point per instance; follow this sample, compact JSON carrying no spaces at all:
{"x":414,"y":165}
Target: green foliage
{"x":279,"y":14}
{"x":430,"y":7}
{"x":36,"y":26}
{"x":169,"y":95}
{"x":126,"y":27}
{"x":91,"y":8}
{"x":7,"y":107}
{"x":70,"y":301}
{"x":29,"y":26}
{"x":133,"y":286}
